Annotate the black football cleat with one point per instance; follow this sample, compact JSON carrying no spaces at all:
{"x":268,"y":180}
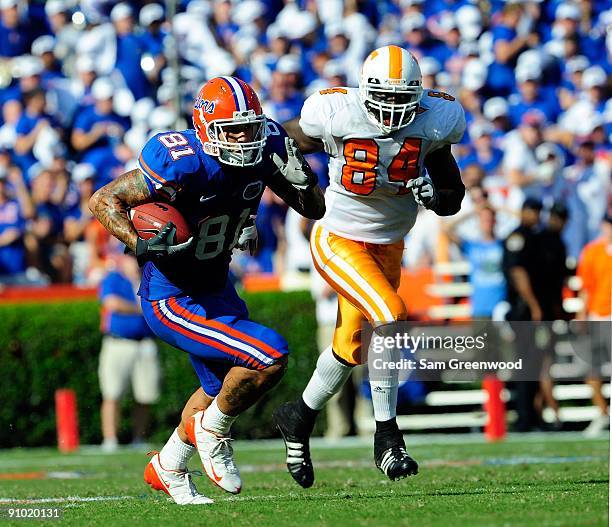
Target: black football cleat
{"x":289,"y":421}
{"x":391,"y":456}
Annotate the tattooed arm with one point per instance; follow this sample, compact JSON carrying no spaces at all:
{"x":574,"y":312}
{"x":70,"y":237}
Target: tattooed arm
{"x":110,"y":205}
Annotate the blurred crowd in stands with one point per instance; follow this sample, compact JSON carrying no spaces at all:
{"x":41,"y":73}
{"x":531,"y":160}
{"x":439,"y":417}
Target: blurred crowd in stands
{"x":84,"y":84}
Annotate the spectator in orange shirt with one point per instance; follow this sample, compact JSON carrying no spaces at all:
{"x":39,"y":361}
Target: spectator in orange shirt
{"x":595,"y":270}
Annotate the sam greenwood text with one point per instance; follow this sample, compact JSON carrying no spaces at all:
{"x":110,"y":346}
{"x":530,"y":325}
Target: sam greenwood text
{"x":452,"y":364}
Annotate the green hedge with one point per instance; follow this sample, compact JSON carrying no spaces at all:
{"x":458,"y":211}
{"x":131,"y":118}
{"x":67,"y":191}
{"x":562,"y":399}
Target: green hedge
{"x":48,"y":346}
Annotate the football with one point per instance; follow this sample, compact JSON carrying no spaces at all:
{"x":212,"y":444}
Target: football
{"x":150,"y":218}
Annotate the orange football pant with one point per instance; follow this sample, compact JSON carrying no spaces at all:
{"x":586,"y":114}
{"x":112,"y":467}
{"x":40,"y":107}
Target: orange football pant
{"x":366,"y":277}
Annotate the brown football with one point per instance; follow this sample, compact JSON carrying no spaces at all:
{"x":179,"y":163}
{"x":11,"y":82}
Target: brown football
{"x":150,"y":218}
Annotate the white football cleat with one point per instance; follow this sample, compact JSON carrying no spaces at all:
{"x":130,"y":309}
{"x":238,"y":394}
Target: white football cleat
{"x":176,"y":483}
{"x":216,"y":453}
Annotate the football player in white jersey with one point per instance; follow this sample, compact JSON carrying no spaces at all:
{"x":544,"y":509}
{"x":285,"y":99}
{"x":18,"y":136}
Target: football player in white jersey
{"x":389,"y":146}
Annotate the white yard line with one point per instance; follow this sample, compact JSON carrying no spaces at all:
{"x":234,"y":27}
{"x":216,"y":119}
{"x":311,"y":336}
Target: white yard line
{"x":329,"y":464}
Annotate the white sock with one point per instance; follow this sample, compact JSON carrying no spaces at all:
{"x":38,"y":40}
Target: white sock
{"x":384,"y":383}
{"x":327,"y":380}
{"x":216,"y":421}
{"x":384,"y":398}
{"x":175,"y":454}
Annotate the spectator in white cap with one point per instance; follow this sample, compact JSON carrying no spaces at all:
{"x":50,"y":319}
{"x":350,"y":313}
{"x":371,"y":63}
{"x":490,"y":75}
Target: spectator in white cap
{"x":44,"y":48}
{"x":496,"y":111}
{"x":162,"y":119}
{"x":85,"y":68}
{"x":415,"y":35}
{"x":300,"y":25}
{"x":151,"y":14}
{"x":507,"y":45}
{"x":567,"y":26}
{"x":28,"y":70}
{"x":65,"y":33}
{"x":35,"y":123}
{"x":469,"y":22}
{"x":249,"y":15}
{"x":586,"y":113}
{"x":567,"y":20}
{"x":130,"y":51}
{"x":531,"y":95}
{"x":430,"y":67}
{"x":15,"y":36}
{"x":334,"y":74}
{"x":474,"y":75}
{"x":98,"y":127}
{"x":290,"y":67}
{"x":151,"y":17}
{"x":594,"y":81}
{"x":483,"y":152}
{"x":572,"y":81}
{"x":520,"y":164}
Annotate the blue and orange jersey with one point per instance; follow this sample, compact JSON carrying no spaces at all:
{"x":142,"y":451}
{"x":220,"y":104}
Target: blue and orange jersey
{"x":215,"y":199}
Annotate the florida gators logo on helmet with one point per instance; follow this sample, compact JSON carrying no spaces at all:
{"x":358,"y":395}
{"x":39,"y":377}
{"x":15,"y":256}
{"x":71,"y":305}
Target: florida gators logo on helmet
{"x":224,"y":107}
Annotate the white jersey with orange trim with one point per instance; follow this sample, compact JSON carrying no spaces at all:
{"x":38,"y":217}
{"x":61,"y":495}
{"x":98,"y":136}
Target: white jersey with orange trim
{"x":368,"y":170}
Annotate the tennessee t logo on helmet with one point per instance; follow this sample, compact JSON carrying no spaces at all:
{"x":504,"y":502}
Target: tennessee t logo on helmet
{"x":390,"y":87}
{"x":227,"y":105}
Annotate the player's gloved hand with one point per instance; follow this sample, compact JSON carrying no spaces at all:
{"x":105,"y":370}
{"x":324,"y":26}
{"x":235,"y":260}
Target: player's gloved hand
{"x":248,"y":237}
{"x":296,"y":170}
{"x":424,"y":192}
{"x":162,"y":245}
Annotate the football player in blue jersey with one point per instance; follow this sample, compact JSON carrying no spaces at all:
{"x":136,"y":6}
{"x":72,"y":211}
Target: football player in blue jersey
{"x":214,"y":176}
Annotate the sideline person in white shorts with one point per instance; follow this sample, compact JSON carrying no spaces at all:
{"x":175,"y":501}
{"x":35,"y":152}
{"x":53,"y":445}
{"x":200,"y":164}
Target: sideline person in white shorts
{"x":128,"y":354}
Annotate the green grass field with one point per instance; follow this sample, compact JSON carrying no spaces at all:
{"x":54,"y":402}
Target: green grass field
{"x":540,"y":480}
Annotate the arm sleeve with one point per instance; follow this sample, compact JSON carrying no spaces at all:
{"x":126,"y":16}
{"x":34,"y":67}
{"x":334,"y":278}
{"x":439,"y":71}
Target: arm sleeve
{"x":447,"y":124}
{"x":444,"y":172}
{"x":453,"y":126}
{"x":313,"y":118}
{"x":317,"y":113}
{"x":164,"y":176}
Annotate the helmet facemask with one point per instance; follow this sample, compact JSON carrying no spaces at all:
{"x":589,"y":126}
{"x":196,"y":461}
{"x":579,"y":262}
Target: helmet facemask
{"x":390,"y":106}
{"x":241,"y":154}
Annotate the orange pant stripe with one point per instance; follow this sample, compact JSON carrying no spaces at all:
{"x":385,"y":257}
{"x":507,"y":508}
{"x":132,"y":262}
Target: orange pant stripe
{"x":369,"y":300}
{"x":343,"y":283}
{"x":369,"y":293}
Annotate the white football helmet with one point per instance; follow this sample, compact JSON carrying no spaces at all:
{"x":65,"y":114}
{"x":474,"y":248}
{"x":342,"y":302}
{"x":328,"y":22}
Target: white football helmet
{"x":390,"y":87}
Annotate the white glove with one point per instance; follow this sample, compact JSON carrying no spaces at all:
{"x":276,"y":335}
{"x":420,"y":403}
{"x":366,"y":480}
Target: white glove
{"x":424,"y":192}
{"x":248,"y":238}
{"x":296,"y":170}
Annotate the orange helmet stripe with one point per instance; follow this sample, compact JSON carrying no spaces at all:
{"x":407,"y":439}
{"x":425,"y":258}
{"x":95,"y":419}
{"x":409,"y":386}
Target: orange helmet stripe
{"x":395,"y":62}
